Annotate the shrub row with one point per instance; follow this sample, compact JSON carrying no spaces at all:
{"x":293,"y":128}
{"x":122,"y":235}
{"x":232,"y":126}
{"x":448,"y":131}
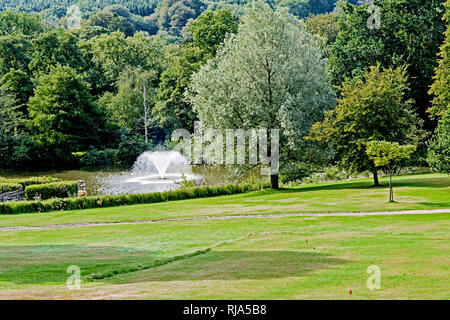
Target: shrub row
{"x":63,"y":189}
{"x":121,"y":200}
{"x":7,"y":187}
{"x":25,"y":182}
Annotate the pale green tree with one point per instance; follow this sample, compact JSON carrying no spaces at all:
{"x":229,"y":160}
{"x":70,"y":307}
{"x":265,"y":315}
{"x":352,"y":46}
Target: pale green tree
{"x":388,"y":155}
{"x":271,"y":74}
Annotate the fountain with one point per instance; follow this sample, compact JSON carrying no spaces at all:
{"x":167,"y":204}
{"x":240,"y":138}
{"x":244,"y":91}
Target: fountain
{"x":153,"y":171}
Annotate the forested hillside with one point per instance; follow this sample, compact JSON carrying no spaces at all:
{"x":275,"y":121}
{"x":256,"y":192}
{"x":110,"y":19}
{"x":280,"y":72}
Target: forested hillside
{"x":167,"y":16}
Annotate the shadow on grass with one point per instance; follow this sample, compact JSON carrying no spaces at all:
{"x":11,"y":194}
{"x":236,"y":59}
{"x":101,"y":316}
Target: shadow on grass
{"x":21,"y":265}
{"x":49,"y":263}
{"x":360,"y":185}
{"x":236,"y":265}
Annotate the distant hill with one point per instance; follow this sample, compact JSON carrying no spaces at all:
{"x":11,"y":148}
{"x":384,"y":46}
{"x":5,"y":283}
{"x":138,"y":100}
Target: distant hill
{"x":157,"y":13}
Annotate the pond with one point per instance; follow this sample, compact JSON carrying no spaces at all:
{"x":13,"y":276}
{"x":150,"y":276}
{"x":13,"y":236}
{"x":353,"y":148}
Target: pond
{"x":147,"y":175}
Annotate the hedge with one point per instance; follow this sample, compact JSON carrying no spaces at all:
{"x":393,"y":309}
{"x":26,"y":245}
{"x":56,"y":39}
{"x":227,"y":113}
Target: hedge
{"x":25,"y":182}
{"x":7,"y":187}
{"x":63,"y":189}
{"x":121,"y":200}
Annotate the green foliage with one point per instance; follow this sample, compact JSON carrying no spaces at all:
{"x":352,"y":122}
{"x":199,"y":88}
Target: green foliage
{"x":172,"y":110}
{"x":25,"y":182}
{"x":63,"y":189}
{"x":63,"y":115}
{"x":114,"y":21}
{"x":110,"y":201}
{"x":439,"y":146}
{"x":112,"y":53}
{"x":303,"y":8}
{"x":7,"y":187}
{"x":55,"y":47}
{"x":271,"y":74}
{"x":441,"y":86}
{"x":373,"y":108}
{"x":410,"y":34}
{"x":173,"y":15}
{"x":324,"y":25}
{"x":132,"y":105}
{"x":19,"y":23}
{"x":388,"y":154}
{"x":210,"y":29}
{"x":127,"y":150}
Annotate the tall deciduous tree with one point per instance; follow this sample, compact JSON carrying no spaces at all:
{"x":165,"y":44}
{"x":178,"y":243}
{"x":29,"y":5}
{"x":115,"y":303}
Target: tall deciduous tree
{"x":63,"y":115}
{"x":132,"y":106}
{"x":271,"y":74}
{"x":172,"y":110}
{"x":114,"y":52}
{"x":439,"y":146}
{"x":55,"y":47}
{"x":373,"y":108}
{"x":441,"y":86}
{"x":210,"y":29}
{"x":410,"y":33}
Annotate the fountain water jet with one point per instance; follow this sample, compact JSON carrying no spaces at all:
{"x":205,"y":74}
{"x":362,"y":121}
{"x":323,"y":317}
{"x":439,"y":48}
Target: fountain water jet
{"x":153,"y":171}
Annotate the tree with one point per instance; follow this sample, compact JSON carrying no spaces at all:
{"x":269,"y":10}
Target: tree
{"x":439,"y":146}
{"x":114,"y":20}
{"x":132,"y":106}
{"x":271,"y":74}
{"x":325,"y":25}
{"x":441,"y":86}
{"x":20,"y":23}
{"x":14,"y":143}
{"x":372,"y":108}
{"x":172,"y":110}
{"x":210,"y":29}
{"x":14,"y":52}
{"x":55,"y":47}
{"x":112,"y":53}
{"x":10,"y":117}
{"x":389,"y":155}
{"x":64,"y":118}
{"x":410,"y":34}
{"x":173,"y":15}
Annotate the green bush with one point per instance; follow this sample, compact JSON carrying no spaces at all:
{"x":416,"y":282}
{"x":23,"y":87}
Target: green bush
{"x":7,"y":187}
{"x":61,"y":189}
{"x":25,"y":182}
{"x":120,"y":200}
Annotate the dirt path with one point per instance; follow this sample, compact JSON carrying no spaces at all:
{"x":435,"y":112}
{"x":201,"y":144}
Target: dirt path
{"x":250,"y":216}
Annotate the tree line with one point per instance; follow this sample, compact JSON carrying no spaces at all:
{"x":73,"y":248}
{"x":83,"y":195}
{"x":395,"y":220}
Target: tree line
{"x":101,"y":95}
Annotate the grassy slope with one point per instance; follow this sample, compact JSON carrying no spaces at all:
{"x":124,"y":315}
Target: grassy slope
{"x":430,"y":191}
{"x":254,"y":258}
{"x":248,"y":258}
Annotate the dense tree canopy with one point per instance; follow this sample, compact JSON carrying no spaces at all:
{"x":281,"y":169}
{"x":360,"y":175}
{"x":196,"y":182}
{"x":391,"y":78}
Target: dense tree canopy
{"x":410,"y":34}
{"x":63,"y":114}
{"x":131,"y":64}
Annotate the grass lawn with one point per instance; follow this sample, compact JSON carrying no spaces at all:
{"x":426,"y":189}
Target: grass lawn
{"x":425,"y":191}
{"x":270,"y":258}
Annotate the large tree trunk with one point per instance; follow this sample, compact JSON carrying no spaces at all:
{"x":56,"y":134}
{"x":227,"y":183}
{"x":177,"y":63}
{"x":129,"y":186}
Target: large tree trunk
{"x":376,"y":183}
{"x":274,"y":181}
